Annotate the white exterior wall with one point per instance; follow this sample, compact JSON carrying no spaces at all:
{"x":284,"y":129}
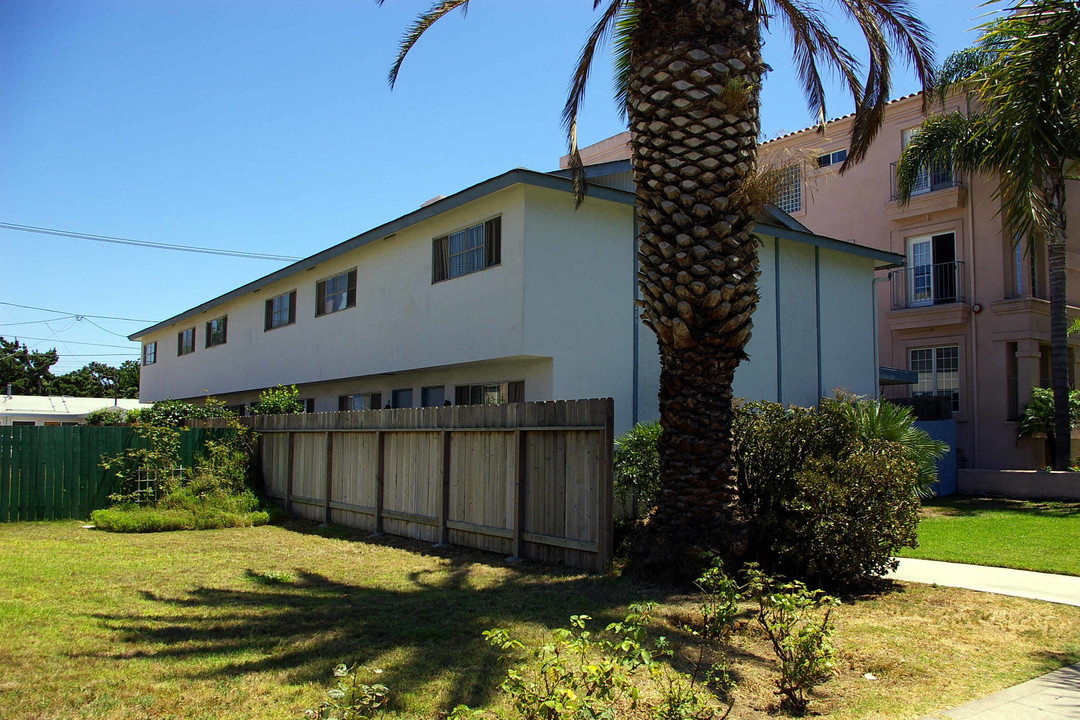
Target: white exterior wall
{"x":847,"y":324}
{"x":401,"y":320}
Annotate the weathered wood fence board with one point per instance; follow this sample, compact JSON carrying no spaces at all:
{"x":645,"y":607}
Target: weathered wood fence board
{"x":55,"y":473}
{"x":526,"y":479}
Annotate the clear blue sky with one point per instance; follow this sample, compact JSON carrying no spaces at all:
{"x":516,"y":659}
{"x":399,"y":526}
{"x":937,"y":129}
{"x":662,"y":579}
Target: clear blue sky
{"x":269,"y":127}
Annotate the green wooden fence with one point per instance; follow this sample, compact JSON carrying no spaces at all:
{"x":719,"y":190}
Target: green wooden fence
{"x":53,"y":473}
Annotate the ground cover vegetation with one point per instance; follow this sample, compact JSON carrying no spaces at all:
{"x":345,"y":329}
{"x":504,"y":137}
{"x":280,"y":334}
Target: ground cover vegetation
{"x":157,"y":494}
{"x":30,"y":373}
{"x":829,"y":493}
{"x":253,"y":621}
{"x":688,"y":79}
{"x":1021,"y":127}
{"x":1034,"y":535}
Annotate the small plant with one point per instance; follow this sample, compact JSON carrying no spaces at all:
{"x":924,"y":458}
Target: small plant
{"x":352,"y":699}
{"x":796,"y":621}
{"x":1038,"y":417}
{"x":637,"y":465}
{"x":271,"y":577}
{"x":280,"y":400}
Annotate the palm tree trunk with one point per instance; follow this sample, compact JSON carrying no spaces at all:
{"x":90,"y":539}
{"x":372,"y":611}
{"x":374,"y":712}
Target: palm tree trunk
{"x":693,"y":116}
{"x":1059,"y":328}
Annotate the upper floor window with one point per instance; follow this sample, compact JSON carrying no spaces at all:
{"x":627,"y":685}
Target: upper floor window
{"x":215,"y":331}
{"x":467,"y":251}
{"x":335,"y":293}
{"x":832,"y":158}
{"x":933,"y":273}
{"x":490,"y":393}
{"x":280,"y":311}
{"x":149,"y":353}
{"x":185,"y":341}
{"x":936,"y":177}
{"x":432,"y":396}
{"x":401,"y":398}
{"x":789,"y":192}
{"x":365,"y":401}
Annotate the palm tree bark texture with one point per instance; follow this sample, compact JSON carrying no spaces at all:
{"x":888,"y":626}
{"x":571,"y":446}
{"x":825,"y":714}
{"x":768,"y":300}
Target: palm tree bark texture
{"x":693,"y":143}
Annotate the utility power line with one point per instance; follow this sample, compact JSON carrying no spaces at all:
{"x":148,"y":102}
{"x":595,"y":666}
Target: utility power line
{"x":71,"y":314}
{"x":72,"y":342}
{"x":146,"y":243}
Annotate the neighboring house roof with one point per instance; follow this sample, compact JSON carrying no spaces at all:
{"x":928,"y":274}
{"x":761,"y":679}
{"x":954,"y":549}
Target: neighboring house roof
{"x":776,"y":223}
{"x":60,"y":405}
{"x":836,"y":119}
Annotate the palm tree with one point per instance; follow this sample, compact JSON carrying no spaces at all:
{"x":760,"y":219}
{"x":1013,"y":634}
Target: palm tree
{"x":1024,"y":77}
{"x":688,"y":76}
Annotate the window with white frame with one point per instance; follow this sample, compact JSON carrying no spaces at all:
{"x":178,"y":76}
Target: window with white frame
{"x":466,"y":251}
{"x":281,"y":310}
{"x":789,"y":192}
{"x":185,"y":341}
{"x":494,"y":393}
{"x":832,"y":158}
{"x":216,"y":331}
{"x":149,"y":353}
{"x":335,"y":293}
{"x":939,"y":372}
{"x":362,"y":401}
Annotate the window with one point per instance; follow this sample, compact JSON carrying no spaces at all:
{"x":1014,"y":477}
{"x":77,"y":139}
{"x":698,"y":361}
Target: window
{"x":149,"y":353}
{"x":433,"y":396}
{"x":401,"y":398}
{"x":335,"y":293}
{"x":939,"y":372}
{"x":832,"y":158}
{"x":466,"y":251}
{"x":789,"y":192}
{"x":215,"y":331}
{"x":490,"y":393}
{"x":309,"y":404}
{"x":238,"y":410}
{"x":928,"y":179}
{"x":185,"y":341}
{"x":280,"y":311}
{"x":1046,"y":364}
{"x":932,"y":270}
{"x":367,"y":401}
{"x":1012,"y":383}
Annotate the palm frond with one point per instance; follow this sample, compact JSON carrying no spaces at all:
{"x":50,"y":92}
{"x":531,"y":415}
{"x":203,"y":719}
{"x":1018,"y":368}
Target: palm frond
{"x":576,"y":95}
{"x":418,"y":27}
{"x":622,"y":53}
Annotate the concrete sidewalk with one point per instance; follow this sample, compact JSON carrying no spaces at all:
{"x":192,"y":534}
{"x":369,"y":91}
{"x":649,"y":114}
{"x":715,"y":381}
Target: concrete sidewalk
{"x":1054,"y":696}
{"x":1064,"y":589}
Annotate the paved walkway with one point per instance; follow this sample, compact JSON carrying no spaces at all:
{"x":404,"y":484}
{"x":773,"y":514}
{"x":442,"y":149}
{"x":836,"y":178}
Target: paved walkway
{"x":1054,"y":696}
{"x":1063,"y":589}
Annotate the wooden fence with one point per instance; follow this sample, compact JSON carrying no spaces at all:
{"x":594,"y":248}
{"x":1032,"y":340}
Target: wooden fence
{"x":530,"y":480}
{"x":55,"y":473}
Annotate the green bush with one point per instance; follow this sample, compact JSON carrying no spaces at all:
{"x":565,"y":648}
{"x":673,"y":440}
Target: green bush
{"x":1038,"y":416}
{"x":106,"y":416}
{"x":886,"y":421}
{"x":280,"y":400}
{"x":174,"y":412}
{"x":135,"y":519}
{"x":827,"y":502}
{"x":637,"y":465}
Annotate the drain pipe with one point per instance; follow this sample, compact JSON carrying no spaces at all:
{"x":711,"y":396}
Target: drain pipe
{"x":974,"y":329}
{"x":877,"y":361}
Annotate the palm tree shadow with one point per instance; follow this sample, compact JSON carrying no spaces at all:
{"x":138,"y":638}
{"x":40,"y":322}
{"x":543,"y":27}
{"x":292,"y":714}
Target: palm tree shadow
{"x":425,"y":626}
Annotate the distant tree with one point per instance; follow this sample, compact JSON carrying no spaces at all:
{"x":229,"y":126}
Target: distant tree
{"x":27,"y":371}
{"x":99,"y":380}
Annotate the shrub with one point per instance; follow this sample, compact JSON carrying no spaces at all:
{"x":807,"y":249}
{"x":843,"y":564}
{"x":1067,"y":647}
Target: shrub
{"x":1038,"y":416}
{"x":135,"y":519}
{"x":796,"y":621}
{"x":352,"y":699}
{"x":174,"y":412}
{"x":825,"y":504}
{"x":280,"y":400}
{"x":106,"y":416}
{"x":637,"y":465}
{"x":886,"y":421}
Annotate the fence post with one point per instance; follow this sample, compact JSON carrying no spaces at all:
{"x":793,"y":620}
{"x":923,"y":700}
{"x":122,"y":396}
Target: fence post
{"x":444,"y":491}
{"x":380,"y":466}
{"x":329,"y":475}
{"x":520,"y":445}
{"x":605,"y":539}
{"x":289,"y":473}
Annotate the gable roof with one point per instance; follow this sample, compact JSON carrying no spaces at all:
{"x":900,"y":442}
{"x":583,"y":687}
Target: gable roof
{"x":772,"y":221}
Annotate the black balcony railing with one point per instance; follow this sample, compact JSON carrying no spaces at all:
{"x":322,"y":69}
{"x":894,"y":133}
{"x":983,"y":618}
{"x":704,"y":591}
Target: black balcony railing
{"x":937,"y":178}
{"x":927,"y":285}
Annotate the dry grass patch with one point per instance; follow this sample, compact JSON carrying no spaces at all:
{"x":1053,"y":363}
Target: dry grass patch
{"x":250,"y":622}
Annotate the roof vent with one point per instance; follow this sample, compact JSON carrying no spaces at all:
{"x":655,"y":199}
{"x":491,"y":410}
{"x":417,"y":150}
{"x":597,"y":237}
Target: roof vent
{"x":435,"y":199}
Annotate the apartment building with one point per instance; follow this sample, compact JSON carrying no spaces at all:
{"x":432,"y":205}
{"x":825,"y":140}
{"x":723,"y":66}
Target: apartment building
{"x":503,"y":292}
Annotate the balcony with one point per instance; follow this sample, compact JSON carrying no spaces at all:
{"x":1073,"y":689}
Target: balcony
{"x":936,"y":189}
{"x":927,"y":285}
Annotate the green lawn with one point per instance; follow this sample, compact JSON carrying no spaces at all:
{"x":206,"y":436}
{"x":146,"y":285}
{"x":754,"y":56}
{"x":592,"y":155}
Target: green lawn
{"x":249,"y":622}
{"x":1029,"y":535}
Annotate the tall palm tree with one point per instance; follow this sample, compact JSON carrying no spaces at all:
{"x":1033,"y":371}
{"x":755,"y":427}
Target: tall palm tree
{"x":1024,"y":77}
{"x":688,"y":77}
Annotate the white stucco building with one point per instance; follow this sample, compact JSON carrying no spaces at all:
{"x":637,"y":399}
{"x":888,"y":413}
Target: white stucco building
{"x":505,"y":292}
{"x":49,"y":410}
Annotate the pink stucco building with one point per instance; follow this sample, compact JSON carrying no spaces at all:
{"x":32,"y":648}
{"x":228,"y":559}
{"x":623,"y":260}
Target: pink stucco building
{"x":969,"y":310}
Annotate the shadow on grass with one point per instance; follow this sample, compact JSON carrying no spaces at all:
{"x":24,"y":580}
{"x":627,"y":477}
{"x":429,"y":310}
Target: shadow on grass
{"x":963,"y":506}
{"x":426,"y":626}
